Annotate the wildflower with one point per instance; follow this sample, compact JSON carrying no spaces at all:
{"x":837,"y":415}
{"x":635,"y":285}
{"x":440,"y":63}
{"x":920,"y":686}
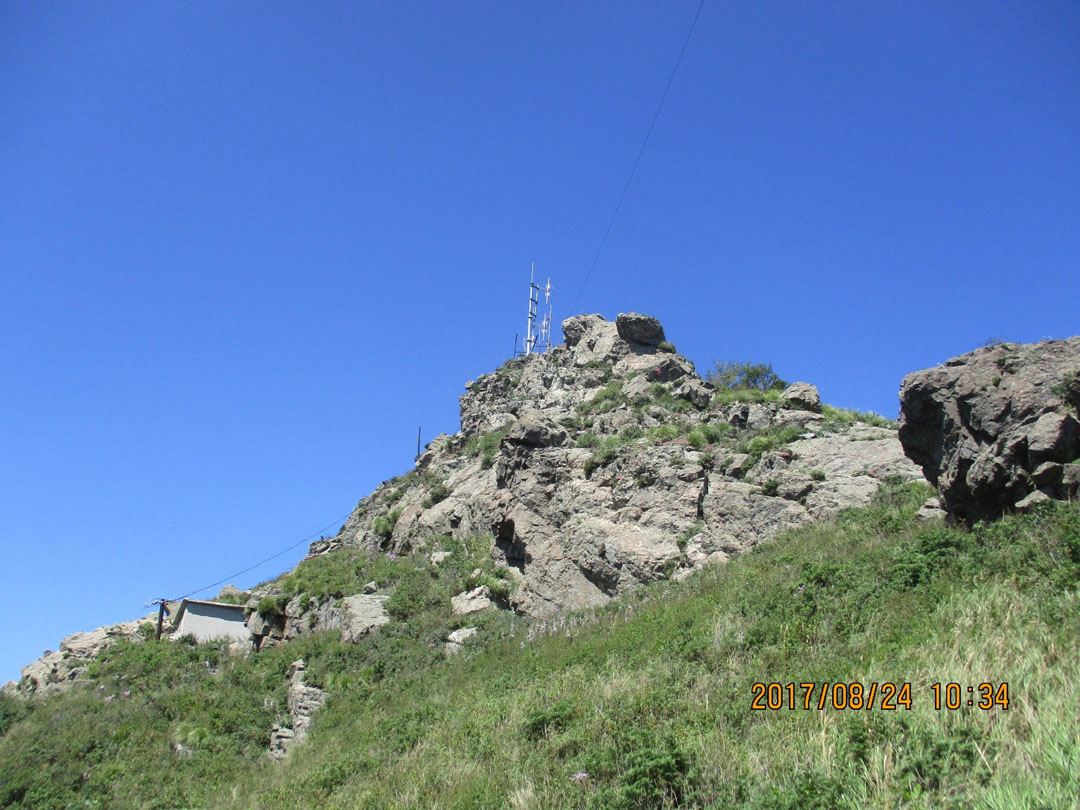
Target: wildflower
{"x":127,"y":693}
{"x":110,"y":698}
{"x":580,"y":776}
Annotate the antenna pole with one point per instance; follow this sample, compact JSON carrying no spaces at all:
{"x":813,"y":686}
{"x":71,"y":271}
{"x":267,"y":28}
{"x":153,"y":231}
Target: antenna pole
{"x":418,"y":442}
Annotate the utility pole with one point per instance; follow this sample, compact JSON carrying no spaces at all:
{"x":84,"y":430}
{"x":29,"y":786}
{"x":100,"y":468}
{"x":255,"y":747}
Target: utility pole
{"x":160,"y":616}
{"x":418,"y":442}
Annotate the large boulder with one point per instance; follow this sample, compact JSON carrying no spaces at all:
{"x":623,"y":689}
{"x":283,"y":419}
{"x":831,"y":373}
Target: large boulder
{"x":644,"y":330}
{"x":803,"y":395}
{"x":990,"y":427}
{"x":533,"y":430}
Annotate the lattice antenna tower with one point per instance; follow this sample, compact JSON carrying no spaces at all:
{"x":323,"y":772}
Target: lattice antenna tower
{"x":534,"y":299}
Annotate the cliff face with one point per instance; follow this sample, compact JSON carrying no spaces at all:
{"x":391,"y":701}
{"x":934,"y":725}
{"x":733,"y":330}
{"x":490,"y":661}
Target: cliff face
{"x":608,"y":462}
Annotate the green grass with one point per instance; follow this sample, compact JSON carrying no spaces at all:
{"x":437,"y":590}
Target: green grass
{"x":841,"y":418}
{"x":606,"y":399}
{"x":757,"y":443}
{"x":485,"y":445}
{"x":727,"y":396}
{"x":648,"y":697}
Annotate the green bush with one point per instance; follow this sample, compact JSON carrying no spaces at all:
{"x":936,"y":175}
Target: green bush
{"x":417,"y":591}
{"x":437,"y":493}
{"x":384,"y":526}
{"x":689,"y":535}
{"x":734,"y":376}
{"x":545,"y":722}
{"x":272,"y":606}
{"x":484,"y":445}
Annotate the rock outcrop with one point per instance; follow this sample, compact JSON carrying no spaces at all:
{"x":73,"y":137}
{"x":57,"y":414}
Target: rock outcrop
{"x":57,"y":671}
{"x":993,"y":427}
{"x":608,"y":462}
{"x":352,"y":616}
{"x":303,"y":701}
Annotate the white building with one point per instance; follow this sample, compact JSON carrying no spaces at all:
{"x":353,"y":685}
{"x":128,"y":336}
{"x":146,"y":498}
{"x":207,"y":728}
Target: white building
{"x":211,"y":621}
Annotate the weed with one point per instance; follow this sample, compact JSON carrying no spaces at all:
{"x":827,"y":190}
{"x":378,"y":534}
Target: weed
{"x":689,"y":534}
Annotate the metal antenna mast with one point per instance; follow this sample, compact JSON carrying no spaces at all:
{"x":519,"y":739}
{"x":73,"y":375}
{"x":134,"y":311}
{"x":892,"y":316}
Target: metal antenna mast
{"x":545,"y":326}
{"x":534,"y":299}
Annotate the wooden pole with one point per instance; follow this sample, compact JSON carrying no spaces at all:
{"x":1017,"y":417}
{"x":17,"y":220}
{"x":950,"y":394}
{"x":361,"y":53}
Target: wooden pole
{"x":160,"y":617}
{"x":418,"y":442}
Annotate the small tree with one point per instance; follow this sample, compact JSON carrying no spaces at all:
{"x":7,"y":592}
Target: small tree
{"x":732,"y":376}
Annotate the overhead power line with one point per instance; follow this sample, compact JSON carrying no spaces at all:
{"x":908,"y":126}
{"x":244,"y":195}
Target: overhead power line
{"x":641,"y":152}
{"x":265,"y":560}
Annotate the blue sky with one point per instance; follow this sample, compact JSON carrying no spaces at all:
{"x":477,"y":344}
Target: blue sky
{"x":246,"y":249}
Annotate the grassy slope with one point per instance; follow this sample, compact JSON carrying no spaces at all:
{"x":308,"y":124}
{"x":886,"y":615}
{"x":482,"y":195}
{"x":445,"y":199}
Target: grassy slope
{"x":649,"y":697}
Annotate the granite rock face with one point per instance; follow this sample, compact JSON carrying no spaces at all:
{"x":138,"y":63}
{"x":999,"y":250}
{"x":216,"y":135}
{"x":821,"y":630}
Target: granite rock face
{"x":994,"y":426}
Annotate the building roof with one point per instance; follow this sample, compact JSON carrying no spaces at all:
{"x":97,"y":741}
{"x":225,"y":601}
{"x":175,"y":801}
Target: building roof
{"x":185,"y":602}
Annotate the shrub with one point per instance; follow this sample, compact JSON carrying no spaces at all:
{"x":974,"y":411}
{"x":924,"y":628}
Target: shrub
{"x":384,"y":526}
{"x":414,"y":593}
{"x":272,"y":606}
{"x":436,"y":494}
{"x":817,"y":475}
{"x":587,"y":440}
{"x":770,"y":487}
{"x":545,"y":722}
{"x":666,"y":346}
{"x":485,"y":445}
{"x":734,"y":376}
{"x":761,"y":442}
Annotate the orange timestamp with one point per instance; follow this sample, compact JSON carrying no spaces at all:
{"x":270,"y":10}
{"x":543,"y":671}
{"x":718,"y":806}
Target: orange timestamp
{"x":886,"y":696}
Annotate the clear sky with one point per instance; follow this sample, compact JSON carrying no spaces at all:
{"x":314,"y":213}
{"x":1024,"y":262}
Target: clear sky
{"x":246,"y":249}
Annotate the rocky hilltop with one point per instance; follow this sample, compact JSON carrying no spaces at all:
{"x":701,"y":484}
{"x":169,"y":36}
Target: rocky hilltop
{"x":608,"y":462}
{"x":588,"y":470}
